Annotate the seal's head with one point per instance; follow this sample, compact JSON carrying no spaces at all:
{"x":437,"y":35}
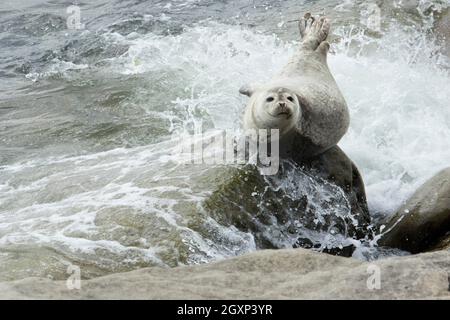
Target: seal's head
{"x":275,"y":108}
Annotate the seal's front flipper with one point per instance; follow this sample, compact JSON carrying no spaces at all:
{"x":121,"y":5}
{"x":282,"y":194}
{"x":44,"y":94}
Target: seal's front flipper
{"x":247,"y":90}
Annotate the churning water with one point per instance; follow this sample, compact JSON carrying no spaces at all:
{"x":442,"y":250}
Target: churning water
{"x":87,"y":118}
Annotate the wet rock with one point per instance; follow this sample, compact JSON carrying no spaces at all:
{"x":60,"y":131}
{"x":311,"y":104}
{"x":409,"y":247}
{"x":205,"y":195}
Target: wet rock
{"x":334,"y":166}
{"x":319,"y":203}
{"x":443,"y":243}
{"x":424,"y":219}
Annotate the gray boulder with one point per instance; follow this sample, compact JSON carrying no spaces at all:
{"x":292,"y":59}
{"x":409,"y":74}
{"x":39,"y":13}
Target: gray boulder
{"x":424,"y":220}
{"x":443,"y":243}
{"x":316,"y":203}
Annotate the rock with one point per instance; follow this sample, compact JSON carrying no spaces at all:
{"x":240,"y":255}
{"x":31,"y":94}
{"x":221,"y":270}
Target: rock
{"x":424,"y":219}
{"x":319,"y":203}
{"x":267,"y":274}
{"x":334,"y":166}
{"x":442,"y":30}
{"x":443,"y":243}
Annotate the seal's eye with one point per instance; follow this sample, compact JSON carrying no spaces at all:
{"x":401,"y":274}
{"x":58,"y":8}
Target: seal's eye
{"x":290,"y":99}
{"x":270,"y":99}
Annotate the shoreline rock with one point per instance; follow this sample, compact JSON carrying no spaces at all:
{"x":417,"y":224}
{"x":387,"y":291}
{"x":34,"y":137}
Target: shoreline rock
{"x":424,"y":219}
{"x":266,"y":274}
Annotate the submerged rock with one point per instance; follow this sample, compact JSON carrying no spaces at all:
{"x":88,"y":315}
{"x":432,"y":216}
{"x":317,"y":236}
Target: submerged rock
{"x":319,"y":204}
{"x":266,"y":274}
{"x":425,"y":218}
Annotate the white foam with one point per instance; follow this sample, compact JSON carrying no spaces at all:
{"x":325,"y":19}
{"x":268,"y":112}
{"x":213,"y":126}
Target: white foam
{"x":400,"y":121}
{"x":58,"y":67}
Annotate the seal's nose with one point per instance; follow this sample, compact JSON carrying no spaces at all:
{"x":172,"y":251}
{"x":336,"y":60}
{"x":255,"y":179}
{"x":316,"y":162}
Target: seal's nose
{"x":282,"y":104}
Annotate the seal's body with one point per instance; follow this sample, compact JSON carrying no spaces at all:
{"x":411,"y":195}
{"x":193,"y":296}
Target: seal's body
{"x":303,"y":101}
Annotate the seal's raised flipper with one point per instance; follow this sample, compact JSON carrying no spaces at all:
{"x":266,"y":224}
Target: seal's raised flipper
{"x":305,"y":23}
{"x":314,"y":32}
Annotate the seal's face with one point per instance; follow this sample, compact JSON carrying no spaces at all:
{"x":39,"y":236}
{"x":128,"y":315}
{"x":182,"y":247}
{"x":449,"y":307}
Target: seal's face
{"x":277,"y":108}
{"x":279,"y":104}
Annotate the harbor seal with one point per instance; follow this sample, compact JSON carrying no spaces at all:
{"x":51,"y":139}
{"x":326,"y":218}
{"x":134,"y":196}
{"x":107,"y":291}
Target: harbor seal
{"x":303,"y":101}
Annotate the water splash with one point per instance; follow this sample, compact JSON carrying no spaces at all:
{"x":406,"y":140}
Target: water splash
{"x":131,"y":207}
